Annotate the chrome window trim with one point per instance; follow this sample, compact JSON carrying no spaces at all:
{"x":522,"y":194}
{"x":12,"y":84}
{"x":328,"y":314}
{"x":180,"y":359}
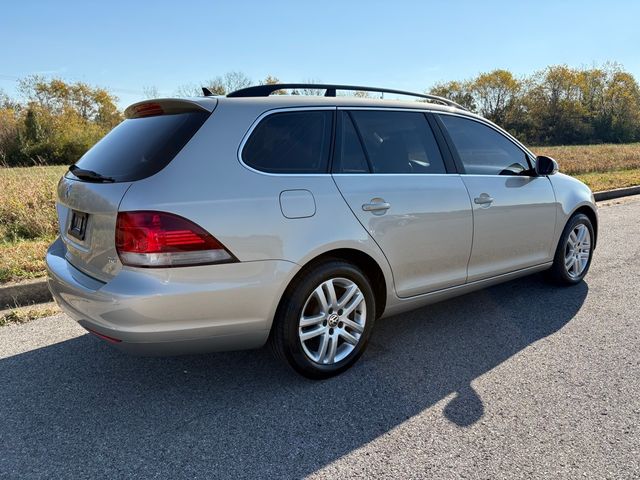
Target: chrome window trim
{"x":396,"y":109}
{"x":257,"y":121}
{"x":499,"y":130}
{"x":473,"y":117}
{"x":389,"y":109}
{"x":273,"y":111}
{"x":397,"y":174}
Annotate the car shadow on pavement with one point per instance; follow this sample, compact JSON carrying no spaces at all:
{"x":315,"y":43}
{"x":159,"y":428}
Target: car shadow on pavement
{"x":84,"y":409}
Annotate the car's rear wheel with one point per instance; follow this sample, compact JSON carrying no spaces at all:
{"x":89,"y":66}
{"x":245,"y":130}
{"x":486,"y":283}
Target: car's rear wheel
{"x":574,"y":252}
{"x":324,"y":321}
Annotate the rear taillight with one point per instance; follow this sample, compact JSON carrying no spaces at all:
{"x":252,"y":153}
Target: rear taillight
{"x":159,"y":239}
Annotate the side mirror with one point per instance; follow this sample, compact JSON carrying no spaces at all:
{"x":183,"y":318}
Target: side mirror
{"x":546,"y":165}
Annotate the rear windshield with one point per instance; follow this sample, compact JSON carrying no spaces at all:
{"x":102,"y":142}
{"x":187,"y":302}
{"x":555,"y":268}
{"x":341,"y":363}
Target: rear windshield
{"x":140,"y":147}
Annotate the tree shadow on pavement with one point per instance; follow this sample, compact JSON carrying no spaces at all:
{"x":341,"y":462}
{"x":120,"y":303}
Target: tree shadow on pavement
{"x":84,"y":409}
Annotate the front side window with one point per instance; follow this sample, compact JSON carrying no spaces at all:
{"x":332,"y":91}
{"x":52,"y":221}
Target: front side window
{"x":483,"y":150}
{"x":398,"y":142}
{"x":291,"y":142}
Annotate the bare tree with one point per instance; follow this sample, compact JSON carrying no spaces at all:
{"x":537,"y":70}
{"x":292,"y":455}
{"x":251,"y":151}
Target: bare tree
{"x":216,"y":86}
{"x":189,"y":90}
{"x":227,"y":83}
{"x":150,"y":91}
{"x":311,"y":91}
{"x":236,"y":80}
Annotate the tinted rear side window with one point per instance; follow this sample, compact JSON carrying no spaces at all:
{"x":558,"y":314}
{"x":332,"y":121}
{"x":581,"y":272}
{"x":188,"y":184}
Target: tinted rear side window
{"x":399,"y":142}
{"x":291,"y":142}
{"x":349,"y":156}
{"x":140,"y":147}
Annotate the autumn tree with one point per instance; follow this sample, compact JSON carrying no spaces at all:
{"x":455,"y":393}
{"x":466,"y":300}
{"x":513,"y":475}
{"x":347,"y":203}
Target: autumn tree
{"x":10,"y":119}
{"x":272,"y":80}
{"x":557,"y":105}
{"x":458,"y":91}
{"x":622,"y":108}
{"x":495,"y":95}
{"x":59,"y":121}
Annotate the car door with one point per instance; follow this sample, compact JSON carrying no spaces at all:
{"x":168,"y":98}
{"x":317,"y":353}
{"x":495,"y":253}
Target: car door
{"x":513,"y":209}
{"x":390,"y":170}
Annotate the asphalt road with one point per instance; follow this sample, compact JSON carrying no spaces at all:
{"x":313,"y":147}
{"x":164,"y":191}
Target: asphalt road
{"x":520,"y":380}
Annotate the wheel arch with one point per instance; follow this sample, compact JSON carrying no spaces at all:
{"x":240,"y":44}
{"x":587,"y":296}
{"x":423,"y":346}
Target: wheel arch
{"x":593,"y":217}
{"x":360,"y":259}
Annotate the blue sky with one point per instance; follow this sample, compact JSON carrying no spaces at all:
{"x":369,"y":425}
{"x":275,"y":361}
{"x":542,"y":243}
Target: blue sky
{"x":126,"y":46}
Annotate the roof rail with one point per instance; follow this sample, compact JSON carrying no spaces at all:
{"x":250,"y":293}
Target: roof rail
{"x":330,"y":91}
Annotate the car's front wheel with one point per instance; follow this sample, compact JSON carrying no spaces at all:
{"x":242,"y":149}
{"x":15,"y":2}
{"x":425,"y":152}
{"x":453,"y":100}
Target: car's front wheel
{"x":324,"y":321}
{"x":574,"y":252}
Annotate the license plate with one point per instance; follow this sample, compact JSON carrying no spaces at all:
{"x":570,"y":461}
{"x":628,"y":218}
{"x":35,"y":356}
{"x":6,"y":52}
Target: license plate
{"x":78,"y":225}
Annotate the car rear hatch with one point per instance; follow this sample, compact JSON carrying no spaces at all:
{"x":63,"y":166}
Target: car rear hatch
{"x":150,"y":137}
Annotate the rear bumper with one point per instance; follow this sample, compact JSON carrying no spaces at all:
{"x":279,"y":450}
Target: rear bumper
{"x":175,"y":310}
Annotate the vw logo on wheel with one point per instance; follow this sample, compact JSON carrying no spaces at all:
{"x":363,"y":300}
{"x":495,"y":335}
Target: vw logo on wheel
{"x":332,"y":320}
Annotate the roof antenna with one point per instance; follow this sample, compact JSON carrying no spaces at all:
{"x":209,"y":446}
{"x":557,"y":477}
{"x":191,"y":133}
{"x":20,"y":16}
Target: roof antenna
{"x":207,"y":92}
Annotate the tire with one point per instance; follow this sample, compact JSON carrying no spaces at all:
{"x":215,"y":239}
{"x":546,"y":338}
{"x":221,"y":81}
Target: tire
{"x":568,"y":268}
{"x":346,"y":321}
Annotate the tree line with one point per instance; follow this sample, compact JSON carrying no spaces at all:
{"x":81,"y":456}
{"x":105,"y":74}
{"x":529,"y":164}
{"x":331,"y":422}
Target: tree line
{"x":556,"y":106}
{"x":55,"y":122}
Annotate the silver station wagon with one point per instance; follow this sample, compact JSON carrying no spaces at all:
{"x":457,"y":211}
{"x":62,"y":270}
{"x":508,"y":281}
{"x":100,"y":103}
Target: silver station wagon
{"x":221,"y":223}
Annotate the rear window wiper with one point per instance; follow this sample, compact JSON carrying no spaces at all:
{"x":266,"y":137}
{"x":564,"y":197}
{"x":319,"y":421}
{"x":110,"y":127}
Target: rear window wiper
{"x":89,"y":175}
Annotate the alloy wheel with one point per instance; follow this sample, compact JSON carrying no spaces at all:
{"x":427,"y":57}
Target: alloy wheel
{"x":577,"y":251}
{"x":332,"y":321}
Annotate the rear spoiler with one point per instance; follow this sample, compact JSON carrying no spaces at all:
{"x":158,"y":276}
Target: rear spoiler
{"x":169,"y":106}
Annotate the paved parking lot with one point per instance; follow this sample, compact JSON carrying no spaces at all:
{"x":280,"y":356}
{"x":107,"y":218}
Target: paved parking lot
{"x":520,"y":380}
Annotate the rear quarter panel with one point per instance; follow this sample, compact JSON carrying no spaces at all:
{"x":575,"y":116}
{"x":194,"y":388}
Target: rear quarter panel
{"x":207,"y":184}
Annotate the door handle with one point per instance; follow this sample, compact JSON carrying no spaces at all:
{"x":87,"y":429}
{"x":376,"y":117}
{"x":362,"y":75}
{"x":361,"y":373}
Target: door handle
{"x":377,"y":206}
{"x":483,"y":199}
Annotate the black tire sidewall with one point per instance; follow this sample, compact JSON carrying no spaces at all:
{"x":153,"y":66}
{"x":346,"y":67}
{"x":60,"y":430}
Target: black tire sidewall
{"x":289,"y":314}
{"x":558,"y":271}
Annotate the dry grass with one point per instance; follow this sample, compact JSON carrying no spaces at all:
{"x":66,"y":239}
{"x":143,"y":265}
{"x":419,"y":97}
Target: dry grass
{"x":23,"y":259}
{"x":28,"y":220}
{"x":576,"y":159}
{"x":25,"y":314}
{"x":599,"y":181}
{"x":27,"y":196}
